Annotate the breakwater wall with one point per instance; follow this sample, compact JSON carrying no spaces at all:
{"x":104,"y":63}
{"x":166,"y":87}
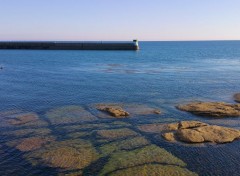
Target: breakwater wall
{"x":70,"y":45}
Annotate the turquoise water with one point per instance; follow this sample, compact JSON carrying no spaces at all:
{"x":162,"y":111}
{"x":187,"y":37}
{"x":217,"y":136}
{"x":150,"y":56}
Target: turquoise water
{"x":160,"y":75}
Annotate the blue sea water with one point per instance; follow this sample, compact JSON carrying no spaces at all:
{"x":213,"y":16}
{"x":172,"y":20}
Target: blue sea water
{"x":160,"y":74}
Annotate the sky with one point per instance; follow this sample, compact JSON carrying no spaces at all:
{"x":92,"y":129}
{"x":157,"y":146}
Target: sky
{"x":106,"y":20}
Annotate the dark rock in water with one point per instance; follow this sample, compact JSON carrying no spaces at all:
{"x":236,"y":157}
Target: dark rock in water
{"x":23,"y":119}
{"x":114,"y":111}
{"x":212,"y":109}
{"x":32,"y":143}
{"x":198,"y":132}
{"x":237,"y":97}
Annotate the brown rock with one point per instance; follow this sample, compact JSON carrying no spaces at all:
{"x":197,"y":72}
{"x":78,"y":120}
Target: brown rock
{"x":190,"y":136}
{"x":32,"y":143}
{"x":213,"y":109}
{"x":23,"y":119}
{"x":237,"y":97}
{"x":191,"y":124}
{"x":115,"y":111}
{"x":157,"y":128}
{"x":168,"y":136}
{"x":218,"y":134}
{"x":198,"y":132}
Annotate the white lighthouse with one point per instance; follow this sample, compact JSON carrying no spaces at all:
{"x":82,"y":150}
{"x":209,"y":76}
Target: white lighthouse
{"x":135,"y":41}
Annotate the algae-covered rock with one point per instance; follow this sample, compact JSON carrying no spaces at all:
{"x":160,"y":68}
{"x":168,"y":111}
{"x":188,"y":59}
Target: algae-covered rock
{"x":69,"y":114}
{"x":127,"y":144}
{"x":237,"y":97}
{"x":212,"y":109}
{"x":154,"y":170}
{"x":23,"y":119}
{"x":18,"y":118}
{"x":69,"y":154}
{"x":116,"y":133}
{"x":31,"y":143}
{"x":145,"y":155}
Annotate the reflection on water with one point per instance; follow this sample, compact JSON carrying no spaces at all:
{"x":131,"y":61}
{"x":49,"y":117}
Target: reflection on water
{"x":50,"y":124}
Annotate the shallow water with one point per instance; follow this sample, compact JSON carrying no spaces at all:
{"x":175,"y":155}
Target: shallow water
{"x":62,"y":88}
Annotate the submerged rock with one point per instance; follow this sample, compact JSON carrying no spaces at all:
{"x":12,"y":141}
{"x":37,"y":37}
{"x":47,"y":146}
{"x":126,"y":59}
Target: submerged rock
{"x":198,"y":132}
{"x":127,"y":144}
{"x":237,"y":97}
{"x":139,"y":157}
{"x":69,"y":154}
{"x":154,"y":170}
{"x":21,"y":119}
{"x":32,"y":143}
{"x":213,"y":109}
{"x":116,"y":133}
{"x":69,"y":114}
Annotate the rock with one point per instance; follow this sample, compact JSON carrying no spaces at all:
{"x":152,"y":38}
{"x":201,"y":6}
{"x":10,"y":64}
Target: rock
{"x":156,"y":128}
{"x":32,"y":143}
{"x":198,"y":132}
{"x":212,"y":109}
{"x":190,"y":136}
{"x":169,"y":136}
{"x":116,"y":133}
{"x":122,"y":110}
{"x":190,"y":124}
{"x":69,"y":155}
{"x":116,"y":112}
{"x":237,"y":97}
{"x":139,"y":157}
{"x":23,"y":119}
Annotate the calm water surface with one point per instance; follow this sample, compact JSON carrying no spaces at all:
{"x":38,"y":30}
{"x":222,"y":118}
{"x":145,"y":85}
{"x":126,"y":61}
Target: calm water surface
{"x":160,"y":75}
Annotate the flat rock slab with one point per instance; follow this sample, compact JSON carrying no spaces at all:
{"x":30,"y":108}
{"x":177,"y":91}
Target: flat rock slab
{"x":198,"y":132}
{"x":124,"y":110}
{"x":212,"y":109}
{"x":237,"y":97}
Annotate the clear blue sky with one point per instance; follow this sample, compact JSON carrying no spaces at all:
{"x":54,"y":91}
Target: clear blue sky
{"x":119,"y":19}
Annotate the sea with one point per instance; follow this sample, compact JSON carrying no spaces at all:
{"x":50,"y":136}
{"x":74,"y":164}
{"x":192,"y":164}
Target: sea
{"x":62,"y":90}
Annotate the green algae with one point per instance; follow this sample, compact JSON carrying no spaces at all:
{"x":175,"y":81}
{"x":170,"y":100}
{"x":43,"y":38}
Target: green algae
{"x":145,"y":155}
{"x":69,"y":114}
{"x":154,"y":170}
{"x":115,"y":133}
{"x":123,"y":145}
{"x":69,"y":154}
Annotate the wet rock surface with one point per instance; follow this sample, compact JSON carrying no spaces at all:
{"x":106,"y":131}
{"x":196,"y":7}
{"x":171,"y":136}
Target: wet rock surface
{"x":212,"y":109}
{"x":125,"y":110}
{"x":114,"y":111}
{"x":237,"y":97}
{"x":198,"y":132}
